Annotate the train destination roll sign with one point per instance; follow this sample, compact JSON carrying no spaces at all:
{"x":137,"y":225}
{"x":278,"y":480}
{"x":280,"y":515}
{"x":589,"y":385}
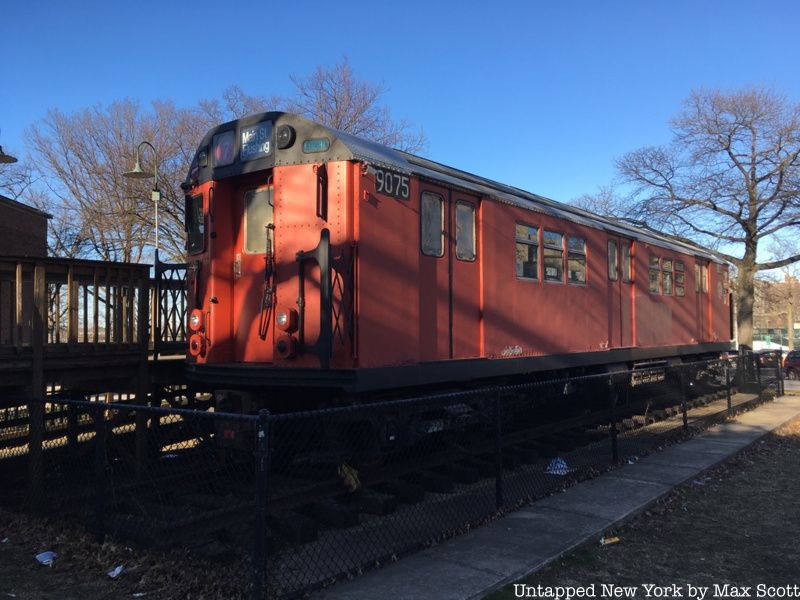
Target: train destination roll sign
{"x":256,"y":141}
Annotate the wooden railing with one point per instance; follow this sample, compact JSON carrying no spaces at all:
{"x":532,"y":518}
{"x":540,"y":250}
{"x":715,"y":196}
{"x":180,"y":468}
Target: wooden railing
{"x":55,"y":303}
{"x":92,"y":306}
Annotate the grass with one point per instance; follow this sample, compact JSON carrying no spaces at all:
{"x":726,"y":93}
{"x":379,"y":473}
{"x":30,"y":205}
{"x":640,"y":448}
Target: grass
{"x":737,"y":524}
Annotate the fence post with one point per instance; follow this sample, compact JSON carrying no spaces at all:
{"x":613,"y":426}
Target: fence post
{"x":36,"y":404}
{"x":498,"y":476}
{"x":758,"y":376}
{"x":612,"y":405}
{"x":781,"y":390}
{"x":262,"y":472}
{"x":728,"y":386}
{"x":684,"y":410}
{"x":100,"y":471}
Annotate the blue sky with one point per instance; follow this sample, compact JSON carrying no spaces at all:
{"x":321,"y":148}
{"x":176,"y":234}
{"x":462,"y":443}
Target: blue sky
{"x":541,"y":95}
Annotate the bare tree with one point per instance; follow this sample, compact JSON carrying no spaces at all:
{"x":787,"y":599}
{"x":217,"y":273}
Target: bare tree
{"x":79,"y":159}
{"x":729,"y":180}
{"x":335,"y":97}
{"x":16,"y":179}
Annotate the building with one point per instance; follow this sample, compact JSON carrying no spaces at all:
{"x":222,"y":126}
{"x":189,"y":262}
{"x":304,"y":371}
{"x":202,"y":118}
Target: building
{"x":23,"y":229}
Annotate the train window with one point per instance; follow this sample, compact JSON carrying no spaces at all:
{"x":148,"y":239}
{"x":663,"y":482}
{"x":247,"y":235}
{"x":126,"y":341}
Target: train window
{"x":432,"y":224}
{"x":257,"y":215}
{"x":576,"y":260}
{"x":655,"y":275}
{"x":527,"y":252}
{"x":704,"y":277}
{"x":553,"y":256}
{"x":725,"y":287}
{"x":666,"y":268}
{"x":613,"y":260}
{"x":223,"y":148}
{"x":627,"y":275}
{"x":680,"y":279}
{"x":465,"y":231}
{"x":195,"y":225}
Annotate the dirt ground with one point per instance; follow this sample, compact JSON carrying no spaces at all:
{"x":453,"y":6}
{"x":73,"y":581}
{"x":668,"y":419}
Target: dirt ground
{"x":738,"y":524}
{"x":79,"y":572}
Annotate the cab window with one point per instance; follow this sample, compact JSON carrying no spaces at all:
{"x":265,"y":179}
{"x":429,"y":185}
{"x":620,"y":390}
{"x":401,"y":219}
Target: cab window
{"x":258,"y":213}
{"x":195,"y":225}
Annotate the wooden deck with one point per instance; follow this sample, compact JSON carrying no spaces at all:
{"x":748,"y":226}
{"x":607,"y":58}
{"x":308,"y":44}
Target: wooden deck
{"x":88,"y":326}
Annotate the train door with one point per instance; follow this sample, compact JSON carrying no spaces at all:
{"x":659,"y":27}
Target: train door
{"x":255,"y":238}
{"x":620,"y":292}
{"x":703,"y":304}
{"x":465,"y":284}
{"x":626,"y":292}
{"x":449,"y":275}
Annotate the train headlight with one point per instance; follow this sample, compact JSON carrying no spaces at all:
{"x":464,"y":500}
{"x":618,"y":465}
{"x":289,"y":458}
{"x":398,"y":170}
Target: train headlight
{"x":196,"y":320}
{"x":286,"y":319}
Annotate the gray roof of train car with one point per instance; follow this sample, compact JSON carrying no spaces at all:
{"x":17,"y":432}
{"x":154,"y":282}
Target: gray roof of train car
{"x":379,"y":155}
{"x":345,"y":146}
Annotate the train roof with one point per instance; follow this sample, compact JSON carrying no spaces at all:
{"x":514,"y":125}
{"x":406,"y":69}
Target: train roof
{"x":345,"y":146}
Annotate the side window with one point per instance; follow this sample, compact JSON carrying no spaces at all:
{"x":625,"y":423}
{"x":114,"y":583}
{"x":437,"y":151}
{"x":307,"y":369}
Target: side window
{"x":680,"y":279}
{"x":527,"y":252}
{"x":655,"y":275}
{"x":666,"y":268}
{"x":576,"y":260}
{"x":725,"y":287}
{"x":627,"y":274}
{"x":613,"y":261}
{"x":465,"y":231}
{"x":701,"y":278}
{"x":195,"y":225}
{"x":553,"y":256}
{"x":257,"y":215}
{"x":432,"y":224}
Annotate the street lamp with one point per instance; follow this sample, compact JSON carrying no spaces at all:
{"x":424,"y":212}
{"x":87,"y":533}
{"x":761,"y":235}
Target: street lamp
{"x":138,"y":173}
{"x":6,"y":159}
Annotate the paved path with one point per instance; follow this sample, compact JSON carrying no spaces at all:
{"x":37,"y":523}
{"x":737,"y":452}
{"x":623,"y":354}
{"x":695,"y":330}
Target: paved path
{"x":524,"y":541}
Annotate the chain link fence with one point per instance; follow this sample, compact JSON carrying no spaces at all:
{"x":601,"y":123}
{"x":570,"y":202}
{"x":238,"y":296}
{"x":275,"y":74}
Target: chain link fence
{"x":301,"y":500}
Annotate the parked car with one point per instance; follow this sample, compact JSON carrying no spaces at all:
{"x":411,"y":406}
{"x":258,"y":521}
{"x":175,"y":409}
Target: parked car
{"x":791,"y":365}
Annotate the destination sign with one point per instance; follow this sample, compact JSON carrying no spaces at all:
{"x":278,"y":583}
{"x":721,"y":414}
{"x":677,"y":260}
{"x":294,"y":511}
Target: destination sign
{"x":256,"y":141}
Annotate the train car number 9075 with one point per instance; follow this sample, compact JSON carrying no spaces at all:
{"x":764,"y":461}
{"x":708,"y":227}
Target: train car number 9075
{"x":391,"y":184}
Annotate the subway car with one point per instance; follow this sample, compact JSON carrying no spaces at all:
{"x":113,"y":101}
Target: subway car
{"x":325,"y":265}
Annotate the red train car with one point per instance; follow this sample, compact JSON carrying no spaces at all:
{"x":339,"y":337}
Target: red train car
{"x":322,"y":260}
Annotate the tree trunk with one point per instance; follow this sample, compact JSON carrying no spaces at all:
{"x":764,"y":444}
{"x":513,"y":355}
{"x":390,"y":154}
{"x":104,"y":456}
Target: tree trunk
{"x":745,"y":298}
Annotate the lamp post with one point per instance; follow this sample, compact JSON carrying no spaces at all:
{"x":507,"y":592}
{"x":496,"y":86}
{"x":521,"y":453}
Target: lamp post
{"x":138,"y":173}
{"x":6,"y":159}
